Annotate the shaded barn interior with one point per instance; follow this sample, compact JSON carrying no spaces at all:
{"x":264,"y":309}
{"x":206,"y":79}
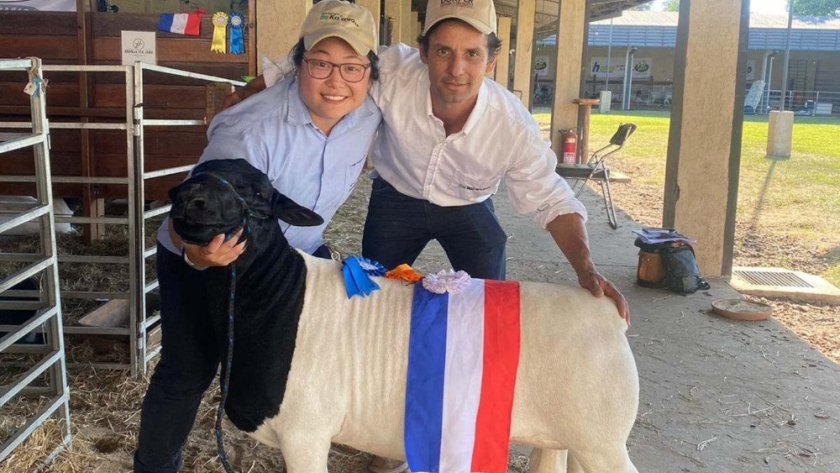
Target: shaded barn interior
{"x":93,"y":38}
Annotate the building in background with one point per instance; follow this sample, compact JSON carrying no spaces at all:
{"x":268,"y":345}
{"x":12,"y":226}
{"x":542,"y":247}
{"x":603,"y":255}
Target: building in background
{"x":813,"y":77}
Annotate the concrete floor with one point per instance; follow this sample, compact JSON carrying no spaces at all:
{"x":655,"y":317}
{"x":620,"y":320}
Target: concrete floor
{"x":717,"y":395}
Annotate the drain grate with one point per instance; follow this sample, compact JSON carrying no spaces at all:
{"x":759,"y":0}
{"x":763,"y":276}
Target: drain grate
{"x":758,"y":277}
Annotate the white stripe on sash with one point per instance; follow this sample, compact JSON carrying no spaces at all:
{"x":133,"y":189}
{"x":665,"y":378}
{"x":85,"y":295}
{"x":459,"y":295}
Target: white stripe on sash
{"x":462,"y":379}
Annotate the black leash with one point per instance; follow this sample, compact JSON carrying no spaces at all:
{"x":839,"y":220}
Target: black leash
{"x":224,"y":382}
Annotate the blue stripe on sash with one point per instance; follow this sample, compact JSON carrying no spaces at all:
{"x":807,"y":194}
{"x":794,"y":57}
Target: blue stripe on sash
{"x":424,"y":385}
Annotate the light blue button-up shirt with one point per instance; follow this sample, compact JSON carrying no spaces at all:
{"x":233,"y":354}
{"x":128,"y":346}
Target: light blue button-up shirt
{"x":273,"y":130}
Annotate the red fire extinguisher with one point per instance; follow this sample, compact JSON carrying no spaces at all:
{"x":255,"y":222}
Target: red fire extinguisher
{"x":570,"y":146}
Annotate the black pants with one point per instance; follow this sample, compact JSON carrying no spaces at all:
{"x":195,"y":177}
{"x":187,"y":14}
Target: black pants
{"x":398,"y":227}
{"x":189,"y":359}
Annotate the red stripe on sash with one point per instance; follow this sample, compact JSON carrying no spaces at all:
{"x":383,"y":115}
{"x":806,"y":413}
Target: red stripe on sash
{"x":501,"y":359}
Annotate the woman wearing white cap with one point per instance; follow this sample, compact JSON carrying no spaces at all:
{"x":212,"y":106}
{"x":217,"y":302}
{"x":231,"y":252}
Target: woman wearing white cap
{"x":310,"y":134}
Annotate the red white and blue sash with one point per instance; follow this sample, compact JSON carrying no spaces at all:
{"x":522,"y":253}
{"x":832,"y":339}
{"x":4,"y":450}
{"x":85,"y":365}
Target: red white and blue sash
{"x":462,"y":362}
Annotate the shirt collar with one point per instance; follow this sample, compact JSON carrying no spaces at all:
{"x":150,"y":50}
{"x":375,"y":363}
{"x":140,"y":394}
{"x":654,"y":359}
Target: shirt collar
{"x":297,"y":113}
{"x":477,"y":111}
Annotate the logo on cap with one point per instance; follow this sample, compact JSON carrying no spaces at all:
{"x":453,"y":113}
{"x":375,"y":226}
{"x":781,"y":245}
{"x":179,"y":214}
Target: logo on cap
{"x":456,"y":3}
{"x":327,"y":16}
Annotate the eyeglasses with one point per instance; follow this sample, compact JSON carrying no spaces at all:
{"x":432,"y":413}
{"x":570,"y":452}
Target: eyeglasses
{"x":322,"y":69}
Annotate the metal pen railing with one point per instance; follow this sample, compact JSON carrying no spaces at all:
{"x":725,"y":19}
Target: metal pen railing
{"x":47,"y":316}
{"x":135,"y":179}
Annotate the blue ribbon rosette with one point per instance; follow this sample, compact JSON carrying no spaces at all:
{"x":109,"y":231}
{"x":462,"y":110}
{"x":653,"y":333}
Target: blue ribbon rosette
{"x":236,"y":42}
{"x":357,"y":272}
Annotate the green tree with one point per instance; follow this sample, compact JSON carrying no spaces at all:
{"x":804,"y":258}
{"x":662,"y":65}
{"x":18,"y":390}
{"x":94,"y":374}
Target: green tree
{"x":815,"y":7}
{"x":671,"y":5}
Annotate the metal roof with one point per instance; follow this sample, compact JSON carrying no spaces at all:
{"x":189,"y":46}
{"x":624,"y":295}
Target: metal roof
{"x":659,"y":30}
{"x":757,"y":20}
{"x":546,"y":10}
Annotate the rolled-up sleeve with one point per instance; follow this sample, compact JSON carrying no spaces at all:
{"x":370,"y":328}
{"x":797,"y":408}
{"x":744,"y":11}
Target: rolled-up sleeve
{"x":276,"y":70}
{"x":534,"y":187}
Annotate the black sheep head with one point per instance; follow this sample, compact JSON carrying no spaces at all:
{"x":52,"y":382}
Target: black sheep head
{"x":222,"y":196}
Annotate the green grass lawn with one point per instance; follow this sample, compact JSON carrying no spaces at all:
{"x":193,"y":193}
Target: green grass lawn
{"x":795,"y":200}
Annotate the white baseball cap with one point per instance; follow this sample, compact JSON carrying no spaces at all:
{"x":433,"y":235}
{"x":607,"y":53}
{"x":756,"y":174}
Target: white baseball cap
{"x":340,"y":19}
{"x":480,"y":14}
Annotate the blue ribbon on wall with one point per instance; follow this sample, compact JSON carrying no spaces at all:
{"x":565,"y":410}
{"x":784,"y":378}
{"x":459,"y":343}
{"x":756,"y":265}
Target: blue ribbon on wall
{"x":236,"y":42}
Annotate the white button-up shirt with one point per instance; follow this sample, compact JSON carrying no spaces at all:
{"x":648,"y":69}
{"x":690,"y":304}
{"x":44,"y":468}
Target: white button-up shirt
{"x":500,"y":140}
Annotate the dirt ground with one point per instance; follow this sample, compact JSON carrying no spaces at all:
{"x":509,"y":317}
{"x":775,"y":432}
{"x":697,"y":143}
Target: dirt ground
{"x":818,"y":324}
{"x":716,"y":395}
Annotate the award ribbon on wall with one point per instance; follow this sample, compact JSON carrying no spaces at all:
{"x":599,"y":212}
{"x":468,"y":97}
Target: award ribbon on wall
{"x":220,"y":22}
{"x":237,"y":44}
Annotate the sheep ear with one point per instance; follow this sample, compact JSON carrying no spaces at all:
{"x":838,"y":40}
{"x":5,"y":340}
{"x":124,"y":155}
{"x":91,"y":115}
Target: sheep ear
{"x":290,"y":212}
{"x":173,"y":192}
{"x":173,"y":195}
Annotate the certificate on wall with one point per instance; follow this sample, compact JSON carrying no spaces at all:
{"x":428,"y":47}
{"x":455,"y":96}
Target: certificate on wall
{"x":138,"y":46}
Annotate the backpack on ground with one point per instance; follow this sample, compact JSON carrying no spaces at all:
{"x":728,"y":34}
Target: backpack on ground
{"x":669,"y":264}
{"x":681,"y":272}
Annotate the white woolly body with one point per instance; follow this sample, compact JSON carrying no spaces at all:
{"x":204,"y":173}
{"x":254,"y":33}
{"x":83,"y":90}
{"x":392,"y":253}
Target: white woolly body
{"x":576,"y":389}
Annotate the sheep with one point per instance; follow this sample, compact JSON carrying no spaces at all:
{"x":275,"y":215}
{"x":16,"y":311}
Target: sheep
{"x":312,"y":367}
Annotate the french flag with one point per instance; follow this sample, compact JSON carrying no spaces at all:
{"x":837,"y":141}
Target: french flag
{"x":180,"y":23}
{"x":462,"y":359}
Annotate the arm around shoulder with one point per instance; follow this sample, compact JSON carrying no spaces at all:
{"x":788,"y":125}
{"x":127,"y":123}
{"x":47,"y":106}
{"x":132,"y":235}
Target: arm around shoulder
{"x":256,"y":85}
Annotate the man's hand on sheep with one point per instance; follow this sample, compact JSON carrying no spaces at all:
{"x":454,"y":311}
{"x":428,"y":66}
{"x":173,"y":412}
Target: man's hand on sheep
{"x":600,"y":286}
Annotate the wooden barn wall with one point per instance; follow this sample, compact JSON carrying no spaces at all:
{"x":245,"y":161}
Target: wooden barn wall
{"x":55,"y":38}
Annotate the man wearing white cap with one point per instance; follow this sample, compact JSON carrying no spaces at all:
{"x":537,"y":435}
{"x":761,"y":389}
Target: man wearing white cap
{"x":310,"y":134}
{"x":451,"y":136}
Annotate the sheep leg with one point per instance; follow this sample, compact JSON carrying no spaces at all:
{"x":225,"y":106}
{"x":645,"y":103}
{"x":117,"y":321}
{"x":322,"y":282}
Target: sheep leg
{"x":612,"y":458}
{"x":572,"y":465}
{"x":305,"y":455}
{"x":548,"y":461}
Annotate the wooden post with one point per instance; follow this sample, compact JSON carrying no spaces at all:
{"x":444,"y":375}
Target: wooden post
{"x":571,"y":42}
{"x":704,"y":142}
{"x":503,"y":59}
{"x":373,"y":6}
{"x":406,"y":23}
{"x":279,"y":38}
{"x":251,"y":26}
{"x":524,"y":45}
{"x":585,"y":107}
{"x":393,"y":15}
{"x":91,"y":205}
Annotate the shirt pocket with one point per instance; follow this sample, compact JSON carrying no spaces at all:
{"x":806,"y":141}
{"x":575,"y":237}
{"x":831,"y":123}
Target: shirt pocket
{"x":472,"y":186}
{"x":351,"y":176}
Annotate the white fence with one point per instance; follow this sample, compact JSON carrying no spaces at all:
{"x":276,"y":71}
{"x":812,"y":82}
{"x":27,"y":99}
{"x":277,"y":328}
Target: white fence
{"x":659,"y":97}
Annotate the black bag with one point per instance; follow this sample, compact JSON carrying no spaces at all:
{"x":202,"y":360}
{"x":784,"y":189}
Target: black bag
{"x":681,"y":272}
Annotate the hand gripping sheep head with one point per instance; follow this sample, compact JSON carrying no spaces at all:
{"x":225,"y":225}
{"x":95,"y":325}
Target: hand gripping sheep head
{"x":222,"y":196}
